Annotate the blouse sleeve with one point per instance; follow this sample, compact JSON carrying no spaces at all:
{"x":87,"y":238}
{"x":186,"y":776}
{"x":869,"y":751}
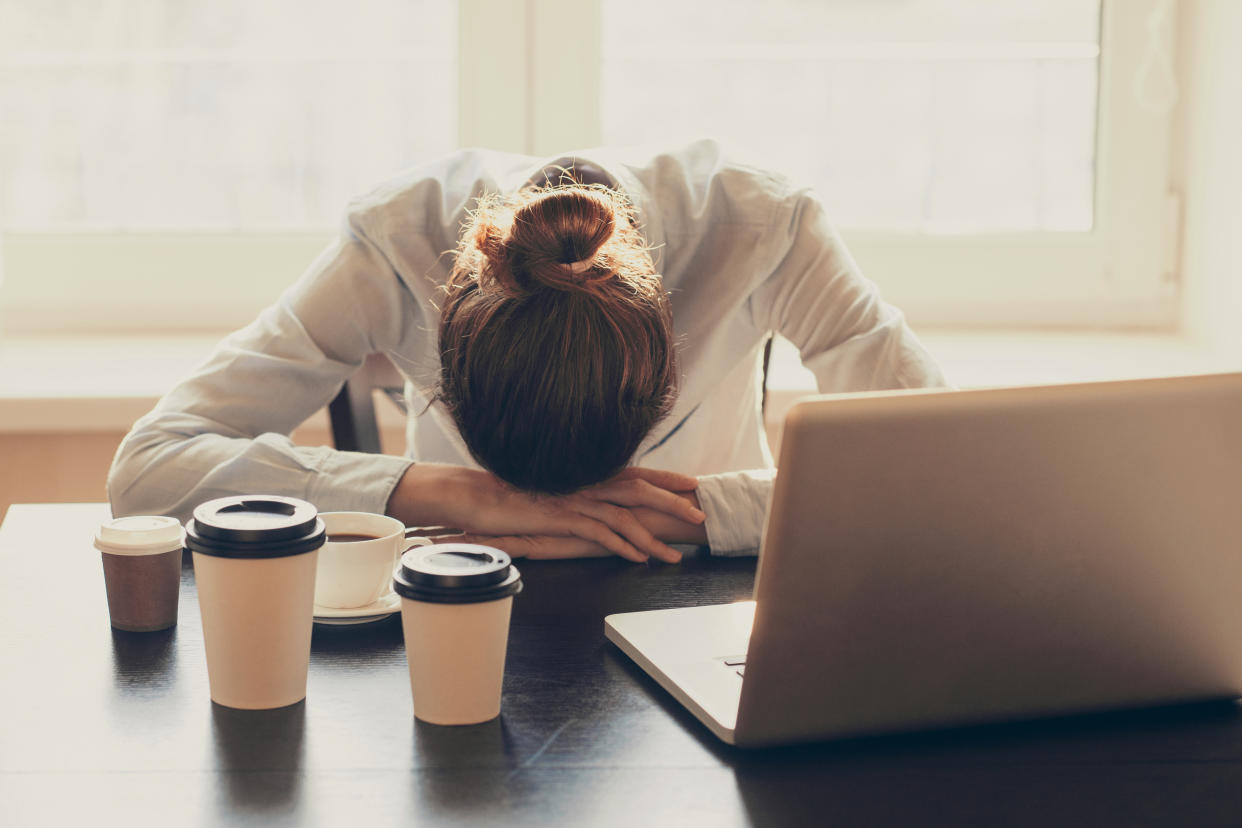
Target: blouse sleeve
{"x":225,"y":430}
{"x":848,"y":337}
{"x":816,"y":297}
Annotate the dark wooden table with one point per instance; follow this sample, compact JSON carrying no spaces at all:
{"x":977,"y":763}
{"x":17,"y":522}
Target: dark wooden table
{"x":99,"y":726}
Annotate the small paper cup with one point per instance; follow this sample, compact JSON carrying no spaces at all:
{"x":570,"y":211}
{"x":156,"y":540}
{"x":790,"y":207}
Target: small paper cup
{"x":456,"y":600}
{"x":142,"y":571}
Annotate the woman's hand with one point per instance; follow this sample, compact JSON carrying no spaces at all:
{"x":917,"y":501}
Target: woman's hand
{"x":554,"y":547}
{"x":481,"y":505}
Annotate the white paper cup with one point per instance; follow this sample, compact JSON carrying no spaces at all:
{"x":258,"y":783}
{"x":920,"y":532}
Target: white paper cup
{"x":456,"y":657}
{"x":254,"y":563}
{"x":356,"y":573}
{"x":257,"y":622}
{"x":456,"y":600}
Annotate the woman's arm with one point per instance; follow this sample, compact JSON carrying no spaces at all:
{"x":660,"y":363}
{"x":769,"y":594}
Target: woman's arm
{"x":817,"y":297}
{"x":224,"y":430}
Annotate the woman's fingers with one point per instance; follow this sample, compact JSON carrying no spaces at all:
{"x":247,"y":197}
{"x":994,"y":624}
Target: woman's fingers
{"x":529,"y":516}
{"x":638,"y":492}
{"x":541,"y":547}
{"x":622,"y":522}
{"x":454,"y":537}
{"x":671,"y":481}
{"x":612,"y":527}
{"x":598,"y":515}
{"x":611,"y":538}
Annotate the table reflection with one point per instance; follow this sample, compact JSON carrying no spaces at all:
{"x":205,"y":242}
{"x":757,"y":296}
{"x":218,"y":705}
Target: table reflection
{"x":260,"y":755}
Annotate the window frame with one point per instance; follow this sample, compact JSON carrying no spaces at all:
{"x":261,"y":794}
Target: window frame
{"x":518,"y":64}
{"x":1120,"y":274}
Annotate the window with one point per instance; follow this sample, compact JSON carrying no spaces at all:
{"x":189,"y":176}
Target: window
{"x":175,"y":163}
{"x":998,"y":163}
{"x":133,"y":115}
{"x":940,"y":116}
{"x":988,"y":163}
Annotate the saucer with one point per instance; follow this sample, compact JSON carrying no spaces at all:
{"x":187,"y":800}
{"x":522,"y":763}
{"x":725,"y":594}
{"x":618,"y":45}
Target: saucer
{"x":388,"y":604}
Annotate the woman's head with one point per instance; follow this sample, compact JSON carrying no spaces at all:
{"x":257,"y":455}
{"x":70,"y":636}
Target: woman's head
{"x":556,"y":342}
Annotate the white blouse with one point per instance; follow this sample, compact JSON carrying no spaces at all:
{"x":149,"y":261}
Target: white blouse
{"x":742,"y":252}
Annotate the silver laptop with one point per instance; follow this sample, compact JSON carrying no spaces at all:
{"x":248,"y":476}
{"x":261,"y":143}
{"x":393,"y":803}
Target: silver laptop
{"x":934,"y":559}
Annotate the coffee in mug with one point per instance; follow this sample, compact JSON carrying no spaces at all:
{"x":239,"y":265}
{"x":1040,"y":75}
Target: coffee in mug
{"x":356,"y":564}
{"x":455,"y":605}
{"x":254,"y":562}
{"x":142,"y":571}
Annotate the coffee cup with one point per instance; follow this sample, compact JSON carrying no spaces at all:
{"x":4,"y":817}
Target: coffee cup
{"x":254,"y":563}
{"x":142,"y":571}
{"x":357,"y":561}
{"x":456,"y":600}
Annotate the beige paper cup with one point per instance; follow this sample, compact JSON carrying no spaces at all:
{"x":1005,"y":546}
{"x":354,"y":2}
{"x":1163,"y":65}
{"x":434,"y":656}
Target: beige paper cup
{"x":254,"y":563}
{"x":257,"y":621}
{"x":456,"y":601}
{"x":456,"y":658}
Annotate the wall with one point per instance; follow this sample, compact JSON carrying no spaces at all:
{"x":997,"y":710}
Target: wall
{"x":72,"y":467}
{"x":1207,"y":169}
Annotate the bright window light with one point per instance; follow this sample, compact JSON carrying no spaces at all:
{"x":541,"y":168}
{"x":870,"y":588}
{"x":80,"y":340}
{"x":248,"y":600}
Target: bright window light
{"x":934,"y":116}
{"x":230,"y":115}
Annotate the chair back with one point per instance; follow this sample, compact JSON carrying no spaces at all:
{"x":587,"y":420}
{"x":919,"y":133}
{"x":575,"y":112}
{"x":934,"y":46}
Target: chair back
{"x":352,"y":412}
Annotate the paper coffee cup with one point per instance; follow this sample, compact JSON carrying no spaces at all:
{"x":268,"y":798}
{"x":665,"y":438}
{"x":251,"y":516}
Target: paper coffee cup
{"x":142,"y":571}
{"x":455,"y":604}
{"x":254,"y":563}
{"x":356,"y":562}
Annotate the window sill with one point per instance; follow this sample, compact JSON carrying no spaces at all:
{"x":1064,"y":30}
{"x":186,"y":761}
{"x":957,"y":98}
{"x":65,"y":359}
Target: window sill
{"x":104,"y":384}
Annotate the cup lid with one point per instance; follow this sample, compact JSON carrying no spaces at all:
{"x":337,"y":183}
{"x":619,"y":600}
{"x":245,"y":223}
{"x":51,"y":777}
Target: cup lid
{"x":140,"y":535}
{"x":255,"y":526}
{"x":456,"y":573}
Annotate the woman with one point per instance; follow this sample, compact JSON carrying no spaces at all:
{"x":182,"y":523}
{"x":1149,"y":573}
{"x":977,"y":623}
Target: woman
{"x":617,"y":321}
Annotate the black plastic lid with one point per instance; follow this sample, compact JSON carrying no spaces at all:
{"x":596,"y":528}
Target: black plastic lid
{"x":456,"y":573}
{"x":255,"y":526}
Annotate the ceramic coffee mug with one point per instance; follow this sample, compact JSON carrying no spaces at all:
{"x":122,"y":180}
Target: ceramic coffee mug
{"x":356,"y":564}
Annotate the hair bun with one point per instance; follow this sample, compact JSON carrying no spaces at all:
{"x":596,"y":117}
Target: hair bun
{"x":555,"y":239}
{"x":577,"y":239}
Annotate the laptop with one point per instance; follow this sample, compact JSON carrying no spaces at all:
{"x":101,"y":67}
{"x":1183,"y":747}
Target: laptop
{"x":942,"y":558}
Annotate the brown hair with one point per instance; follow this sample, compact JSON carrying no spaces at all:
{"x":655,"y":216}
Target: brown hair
{"x":556,"y":342}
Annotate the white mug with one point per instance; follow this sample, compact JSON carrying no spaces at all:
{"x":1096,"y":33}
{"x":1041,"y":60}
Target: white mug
{"x":356,"y":573}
